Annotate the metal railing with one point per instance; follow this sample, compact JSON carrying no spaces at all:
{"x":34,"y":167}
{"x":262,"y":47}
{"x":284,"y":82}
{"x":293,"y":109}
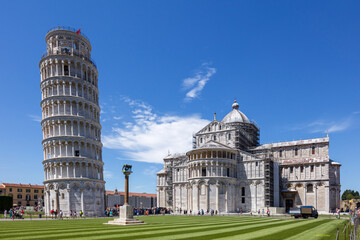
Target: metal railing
{"x":69,"y":53}
{"x":71,"y":29}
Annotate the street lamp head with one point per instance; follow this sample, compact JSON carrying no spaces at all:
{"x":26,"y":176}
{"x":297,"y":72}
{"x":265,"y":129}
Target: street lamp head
{"x":127,"y":169}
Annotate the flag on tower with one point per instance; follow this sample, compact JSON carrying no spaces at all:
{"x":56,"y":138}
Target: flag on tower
{"x":78,"y":31}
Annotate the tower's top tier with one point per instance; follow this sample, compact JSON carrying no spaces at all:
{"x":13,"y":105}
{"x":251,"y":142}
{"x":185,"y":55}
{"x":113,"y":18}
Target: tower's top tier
{"x":67,"y":40}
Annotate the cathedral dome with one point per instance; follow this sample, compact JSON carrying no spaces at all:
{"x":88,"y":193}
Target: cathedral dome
{"x":235,"y":115}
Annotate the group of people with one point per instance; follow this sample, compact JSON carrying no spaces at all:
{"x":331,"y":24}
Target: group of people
{"x":72,"y":214}
{"x":263,"y":212}
{"x":14,"y":213}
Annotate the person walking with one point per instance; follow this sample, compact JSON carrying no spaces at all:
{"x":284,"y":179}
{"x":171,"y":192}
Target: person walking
{"x":268,"y":212}
{"x":61,"y":214}
{"x":5,"y":213}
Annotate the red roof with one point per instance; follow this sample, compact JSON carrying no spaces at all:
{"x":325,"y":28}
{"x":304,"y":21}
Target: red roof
{"x":132,"y":194}
{"x":22,"y":185}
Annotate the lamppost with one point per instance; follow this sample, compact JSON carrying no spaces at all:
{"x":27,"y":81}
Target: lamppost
{"x":126,"y":170}
{"x":126,"y":211}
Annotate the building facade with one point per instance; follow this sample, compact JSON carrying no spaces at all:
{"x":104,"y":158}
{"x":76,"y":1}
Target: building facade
{"x":228,"y":170}
{"x":24,"y":194}
{"x":73,"y":166}
{"x":137,"y":200}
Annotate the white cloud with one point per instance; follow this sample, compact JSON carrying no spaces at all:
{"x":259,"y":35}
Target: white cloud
{"x":108,"y":174}
{"x":327,"y":126}
{"x":117,"y":118}
{"x":197,"y":83}
{"x":150,"y":137}
{"x":151,"y":171}
{"x":36,"y":118}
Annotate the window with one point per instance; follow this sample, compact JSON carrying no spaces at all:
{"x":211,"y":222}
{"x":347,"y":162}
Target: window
{"x":62,"y":196}
{"x":209,"y":129}
{"x":302,"y":168}
{"x":200,"y":140}
{"x":243,"y":200}
{"x":313,"y":150}
{"x":28,"y":197}
{"x":243,"y":191}
{"x":36,"y":191}
{"x":19,"y":203}
{"x":312,"y":168}
{"x":291,"y":169}
{"x":10,"y":189}
{"x":228,"y":172}
{"x":42,"y":191}
{"x":219,"y":127}
{"x":280,"y":153}
{"x":35,"y":197}
{"x":19,"y":190}
{"x":257,"y":163}
{"x":229,"y":136}
{"x":66,"y":70}
{"x":28,"y":190}
{"x":296,"y":151}
{"x":310,"y":188}
{"x":19,"y":196}
{"x":214,"y":138}
{"x":203,"y":172}
{"x":77,"y":153}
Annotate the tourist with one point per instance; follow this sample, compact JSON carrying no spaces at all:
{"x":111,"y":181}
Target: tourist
{"x":81,"y":213}
{"x":74,"y":214}
{"x":56,"y":213}
{"x":5,"y":213}
{"x":241,"y":211}
{"x":52,"y":213}
{"x":262,"y":212}
{"x":268,"y":212}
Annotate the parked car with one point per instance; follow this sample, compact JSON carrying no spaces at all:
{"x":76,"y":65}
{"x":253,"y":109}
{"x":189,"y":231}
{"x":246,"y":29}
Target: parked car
{"x":304,"y":212}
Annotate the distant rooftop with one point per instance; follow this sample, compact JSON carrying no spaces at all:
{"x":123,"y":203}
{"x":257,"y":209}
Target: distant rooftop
{"x":131,"y":194}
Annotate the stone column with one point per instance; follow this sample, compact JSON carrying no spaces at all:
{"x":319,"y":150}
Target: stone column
{"x":207,"y":196}
{"x":127,"y":190}
{"x":57,"y":200}
{"x":327,"y":196}
{"x":217,"y":197}
{"x":49,"y":204}
{"x":82,"y":198}
{"x":198,"y":197}
{"x":69,"y":200}
{"x":67,"y":169}
{"x":226,"y":198}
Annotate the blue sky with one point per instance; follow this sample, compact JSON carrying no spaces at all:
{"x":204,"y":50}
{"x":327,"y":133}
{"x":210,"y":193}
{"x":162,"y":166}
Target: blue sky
{"x":166,"y":66}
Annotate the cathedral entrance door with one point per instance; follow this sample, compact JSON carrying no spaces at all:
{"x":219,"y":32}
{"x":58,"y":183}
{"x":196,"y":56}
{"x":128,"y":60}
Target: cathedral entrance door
{"x":289,"y":203}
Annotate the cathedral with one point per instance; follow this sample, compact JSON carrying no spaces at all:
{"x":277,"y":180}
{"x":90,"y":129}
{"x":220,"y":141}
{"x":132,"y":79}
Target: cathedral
{"x":229,"y":171}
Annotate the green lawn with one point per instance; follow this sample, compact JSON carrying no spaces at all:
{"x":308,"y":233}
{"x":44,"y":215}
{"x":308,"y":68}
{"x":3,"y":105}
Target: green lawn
{"x":175,"y":227}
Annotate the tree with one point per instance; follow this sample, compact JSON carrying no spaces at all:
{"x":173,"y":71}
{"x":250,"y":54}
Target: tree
{"x":6,"y":202}
{"x":349,"y":194}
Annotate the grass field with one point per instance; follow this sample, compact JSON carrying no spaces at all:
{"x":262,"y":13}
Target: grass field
{"x":174,"y":227}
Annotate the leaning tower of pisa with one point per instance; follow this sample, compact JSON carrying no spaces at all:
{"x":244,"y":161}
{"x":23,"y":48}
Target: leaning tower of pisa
{"x":73,"y":165}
